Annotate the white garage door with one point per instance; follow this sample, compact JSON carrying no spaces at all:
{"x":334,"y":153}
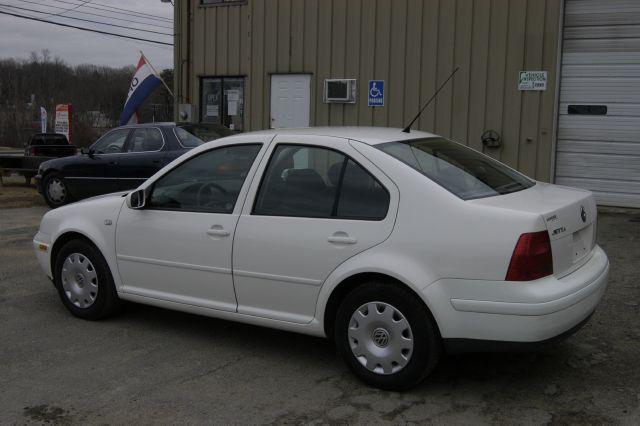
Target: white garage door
{"x":599,"y":124}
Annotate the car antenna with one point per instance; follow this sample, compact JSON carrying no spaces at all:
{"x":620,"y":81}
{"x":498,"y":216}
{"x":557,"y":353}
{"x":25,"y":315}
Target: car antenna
{"x":408,"y":128}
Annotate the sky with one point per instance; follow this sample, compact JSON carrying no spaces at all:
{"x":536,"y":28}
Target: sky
{"x":19,"y":37}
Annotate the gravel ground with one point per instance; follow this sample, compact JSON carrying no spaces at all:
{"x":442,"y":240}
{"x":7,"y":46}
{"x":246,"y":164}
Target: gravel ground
{"x":150,"y":366}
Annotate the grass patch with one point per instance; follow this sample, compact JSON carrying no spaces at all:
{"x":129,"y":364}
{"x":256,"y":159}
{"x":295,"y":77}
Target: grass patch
{"x":14,"y":192}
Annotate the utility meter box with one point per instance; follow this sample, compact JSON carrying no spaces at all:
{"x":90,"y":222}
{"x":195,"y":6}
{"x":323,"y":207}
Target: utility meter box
{"x":340,"y":91}
{"x":185,"y":113}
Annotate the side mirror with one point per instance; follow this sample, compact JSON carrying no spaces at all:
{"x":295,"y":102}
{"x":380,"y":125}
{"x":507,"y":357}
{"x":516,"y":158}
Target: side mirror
{"x":136,"y":199}
{"x":87,"y":151}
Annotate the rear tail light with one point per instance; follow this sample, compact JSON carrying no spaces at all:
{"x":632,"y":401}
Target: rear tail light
{"x":33,"y":150}
{"x":531,"y":258}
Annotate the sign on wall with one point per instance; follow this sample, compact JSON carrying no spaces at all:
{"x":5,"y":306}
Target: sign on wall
{"x":376,"y":93}
{"x":63,"y":120}
{"x":532,"y":80}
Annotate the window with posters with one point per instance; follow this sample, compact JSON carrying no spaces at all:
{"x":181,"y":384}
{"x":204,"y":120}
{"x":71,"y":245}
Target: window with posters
{"x":222,"y":101}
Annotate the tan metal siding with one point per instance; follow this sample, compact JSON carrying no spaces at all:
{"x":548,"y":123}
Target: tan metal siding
{"x":411,"y":44}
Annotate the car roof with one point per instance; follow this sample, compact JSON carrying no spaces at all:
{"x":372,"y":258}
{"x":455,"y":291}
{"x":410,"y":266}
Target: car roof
{"x":368,"y":135}
{"x":139,"y":125}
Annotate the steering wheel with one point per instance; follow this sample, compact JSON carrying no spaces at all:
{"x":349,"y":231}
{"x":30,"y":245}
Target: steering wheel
{"x":212,"y":187}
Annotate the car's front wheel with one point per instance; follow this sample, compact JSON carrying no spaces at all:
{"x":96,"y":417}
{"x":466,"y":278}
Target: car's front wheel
{"x":84,"y":281}
{"x":55,"y":190}
{"x":387,"y":336}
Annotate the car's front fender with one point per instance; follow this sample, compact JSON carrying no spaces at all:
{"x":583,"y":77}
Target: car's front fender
{"x":93,"y":219}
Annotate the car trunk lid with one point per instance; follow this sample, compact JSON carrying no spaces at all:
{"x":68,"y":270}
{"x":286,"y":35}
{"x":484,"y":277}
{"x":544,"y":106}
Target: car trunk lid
{"x":569,"y":215}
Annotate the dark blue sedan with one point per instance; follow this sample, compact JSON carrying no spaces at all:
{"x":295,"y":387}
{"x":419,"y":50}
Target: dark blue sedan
{"x":120,"y":160}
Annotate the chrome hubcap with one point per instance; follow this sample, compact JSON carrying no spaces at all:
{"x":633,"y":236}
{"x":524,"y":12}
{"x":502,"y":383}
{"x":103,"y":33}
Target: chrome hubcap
{"x":79,"y":280}
{"x":56,"y":190}
{"x":380,"y":338}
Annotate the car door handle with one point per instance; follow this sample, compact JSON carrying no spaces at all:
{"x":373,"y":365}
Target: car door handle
{"x":156,"y":161}
{"x":217,"y":231}
{"x":113,"y":163}
{"x":341,"y":238}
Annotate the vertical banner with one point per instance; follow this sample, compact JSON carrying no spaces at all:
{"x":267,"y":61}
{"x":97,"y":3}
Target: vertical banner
{"x":43,"y":120}
{"x":64,"y":120}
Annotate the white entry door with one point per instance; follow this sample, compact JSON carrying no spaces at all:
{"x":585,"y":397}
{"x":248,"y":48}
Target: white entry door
{"x":290,"y":100}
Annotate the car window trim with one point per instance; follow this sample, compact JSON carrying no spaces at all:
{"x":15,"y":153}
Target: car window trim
{"x":338,"y":190}
{"x":153,"y":185}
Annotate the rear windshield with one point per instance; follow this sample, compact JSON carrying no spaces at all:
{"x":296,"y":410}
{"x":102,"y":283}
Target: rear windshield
{"x":461,"y":170}
{"x":49,"y":140}
{"x":192,"y":135}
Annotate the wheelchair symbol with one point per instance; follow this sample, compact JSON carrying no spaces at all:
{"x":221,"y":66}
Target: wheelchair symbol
{"x":374,"y":92}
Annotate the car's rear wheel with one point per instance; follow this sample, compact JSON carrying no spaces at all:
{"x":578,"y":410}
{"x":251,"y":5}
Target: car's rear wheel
{"x":55,"y":190}
{"x":387,"y":336}
{"x":84,"y":281}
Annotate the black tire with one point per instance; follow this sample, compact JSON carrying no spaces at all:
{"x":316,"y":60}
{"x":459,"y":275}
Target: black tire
{"x":427,"y":343}
{"x":106,"y":300}
{"x":55,"y":201}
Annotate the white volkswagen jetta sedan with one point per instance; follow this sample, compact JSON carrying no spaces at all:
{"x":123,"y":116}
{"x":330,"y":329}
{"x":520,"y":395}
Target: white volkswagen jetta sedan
{"x":398,"y":246}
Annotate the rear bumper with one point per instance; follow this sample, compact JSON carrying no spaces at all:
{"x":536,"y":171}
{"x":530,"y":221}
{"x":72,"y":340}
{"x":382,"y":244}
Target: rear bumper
{"x":518,"y":312}
{"x":456,"y":346}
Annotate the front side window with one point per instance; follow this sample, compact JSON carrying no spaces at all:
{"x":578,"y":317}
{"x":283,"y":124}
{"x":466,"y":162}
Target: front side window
{"x":461,"y":170}
{"x":144,"y":140}
{"x":306,"y":181}
{"x":209,"y":182}
{"x":111,"y":143}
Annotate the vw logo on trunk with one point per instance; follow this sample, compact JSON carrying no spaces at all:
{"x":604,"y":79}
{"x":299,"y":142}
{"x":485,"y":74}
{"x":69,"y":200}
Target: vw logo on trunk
{"x":583,"y":214}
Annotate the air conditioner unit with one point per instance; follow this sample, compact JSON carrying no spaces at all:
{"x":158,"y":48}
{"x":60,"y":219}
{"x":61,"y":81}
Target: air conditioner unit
{"x":185,"y":113}
{"x":340,"y":91}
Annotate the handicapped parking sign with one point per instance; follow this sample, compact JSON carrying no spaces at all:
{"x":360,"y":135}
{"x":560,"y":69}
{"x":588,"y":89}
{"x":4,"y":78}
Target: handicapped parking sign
{"x":376,"y":93}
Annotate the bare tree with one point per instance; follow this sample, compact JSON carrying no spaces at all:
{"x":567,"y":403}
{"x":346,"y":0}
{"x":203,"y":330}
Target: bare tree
{"x":97,"y":94}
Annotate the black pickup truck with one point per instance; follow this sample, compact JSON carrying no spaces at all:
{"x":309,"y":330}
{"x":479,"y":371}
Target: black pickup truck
{"x":49,"y":145}
{"x":41,"y":147}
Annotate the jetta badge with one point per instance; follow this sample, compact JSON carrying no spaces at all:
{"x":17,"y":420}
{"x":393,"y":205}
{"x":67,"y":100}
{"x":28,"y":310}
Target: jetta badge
{"x":583,"y":214}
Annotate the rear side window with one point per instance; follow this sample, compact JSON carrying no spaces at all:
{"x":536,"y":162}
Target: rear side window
{"x":145,"y":140}
{"x":306,"y":181}
{"x":361,"y":195}
{"x":461,"y":170}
